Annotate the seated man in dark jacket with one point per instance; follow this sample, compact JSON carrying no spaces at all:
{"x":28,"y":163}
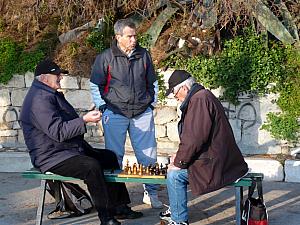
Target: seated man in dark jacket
{"x":208,"y":157}
{"x":54,"y":132}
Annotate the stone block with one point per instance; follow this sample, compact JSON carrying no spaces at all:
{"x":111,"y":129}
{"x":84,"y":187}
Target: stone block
{"x":17,"y":96}
{"x":272,"y":169}
{"x":6,"y":126}
{"x":8,"y":133}
{"x":80,"y":99}
{"x":295,"y":150}
{"x":5,"y":97}
{"x":16,"y":125}
{"x":165,"y":115}
{"x":29,"y":76}
{"x":267,"y":105}
{"x":166,"y":146}
{"x":21,"y":137}
{"x":218,"y":91}
{"x":8,"y":114}
{"x":160,"y":131}
{"x":69,"y":82}
{"x":292,"y":170}
{"x":172,"y":131}
{"x":8,"y":142}
{"x":85,"y":83}
{"x":17,"y":81}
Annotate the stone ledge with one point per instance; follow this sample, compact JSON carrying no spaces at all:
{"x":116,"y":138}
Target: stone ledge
{"x":292,"y":170}
{"x":14,"y":161}
{"x":272,"y":169}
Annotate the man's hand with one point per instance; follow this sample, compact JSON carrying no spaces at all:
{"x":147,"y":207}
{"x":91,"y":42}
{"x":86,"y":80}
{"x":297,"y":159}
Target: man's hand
{"x":172,"y":158}
{"x":171,"y":166}
{"x":92,"y":116}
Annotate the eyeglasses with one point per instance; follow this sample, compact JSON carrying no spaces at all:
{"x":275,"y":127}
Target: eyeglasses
{"x":175,"y":94}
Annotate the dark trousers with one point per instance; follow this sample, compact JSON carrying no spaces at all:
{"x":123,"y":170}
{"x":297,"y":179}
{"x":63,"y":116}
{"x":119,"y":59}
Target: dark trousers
{"x":89,"y":168}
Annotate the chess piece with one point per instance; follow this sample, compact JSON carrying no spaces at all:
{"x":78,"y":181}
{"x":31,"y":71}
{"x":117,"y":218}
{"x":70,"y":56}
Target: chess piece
{"x":129,"y":170}
{"x":161,"y":169}
{"x":140,"y":169}
{"x":134,"y":169}
{"x":156,"y":169}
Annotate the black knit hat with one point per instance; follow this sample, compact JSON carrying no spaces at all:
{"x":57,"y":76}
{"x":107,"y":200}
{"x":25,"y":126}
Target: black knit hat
{"x":47,"y":66}
{"x":177,"y":77}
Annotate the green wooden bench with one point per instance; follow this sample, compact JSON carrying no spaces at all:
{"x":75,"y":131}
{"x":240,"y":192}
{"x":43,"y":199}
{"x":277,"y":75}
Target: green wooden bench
{"x":112,"y":177}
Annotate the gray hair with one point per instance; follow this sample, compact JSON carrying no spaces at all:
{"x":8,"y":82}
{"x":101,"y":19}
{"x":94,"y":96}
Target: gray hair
{"x":121,"y":24}
{"x":188,"y":82}
{"x":39,"y":77}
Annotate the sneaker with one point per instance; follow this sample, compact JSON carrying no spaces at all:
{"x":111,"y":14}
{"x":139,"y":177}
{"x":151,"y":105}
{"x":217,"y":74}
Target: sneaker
{"x":152,"y":200}
{"x":166,"y":215}
{"x":178,"y":223}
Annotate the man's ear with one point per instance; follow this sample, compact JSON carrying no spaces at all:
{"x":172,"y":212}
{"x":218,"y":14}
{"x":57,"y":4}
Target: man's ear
{"x":186,"y":88}
{"x":44,"y":78}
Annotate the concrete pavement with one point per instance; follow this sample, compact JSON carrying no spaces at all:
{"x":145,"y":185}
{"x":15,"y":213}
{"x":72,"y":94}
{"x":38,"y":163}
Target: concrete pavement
{"x":19,"y":197}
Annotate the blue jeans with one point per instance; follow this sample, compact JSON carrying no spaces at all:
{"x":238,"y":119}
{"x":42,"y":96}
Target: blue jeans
{"x":177,"y":181}
{"x":141,"y":132}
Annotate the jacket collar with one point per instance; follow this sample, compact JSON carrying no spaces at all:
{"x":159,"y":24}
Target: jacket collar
{"x":137,"y":53}
{"x":41,"y":85}
{"x":194,"y":89}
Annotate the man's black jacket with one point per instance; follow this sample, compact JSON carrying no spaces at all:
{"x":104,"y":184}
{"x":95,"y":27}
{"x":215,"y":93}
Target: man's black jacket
{"x":53,"y":131}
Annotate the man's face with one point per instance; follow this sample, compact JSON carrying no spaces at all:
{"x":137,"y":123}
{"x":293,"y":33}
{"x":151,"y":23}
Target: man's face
{"x":53,"y":80}
{"x":127,"y":41}
{"x":180,"y":93}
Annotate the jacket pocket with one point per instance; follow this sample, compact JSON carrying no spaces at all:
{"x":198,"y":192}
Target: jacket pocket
{"x":202,"y":170}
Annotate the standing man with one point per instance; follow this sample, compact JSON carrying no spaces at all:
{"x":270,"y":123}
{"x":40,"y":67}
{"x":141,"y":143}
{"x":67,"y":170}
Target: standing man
{"x":124,"y":87}
{"x":208,"y":157}
{"x":53,"y":133}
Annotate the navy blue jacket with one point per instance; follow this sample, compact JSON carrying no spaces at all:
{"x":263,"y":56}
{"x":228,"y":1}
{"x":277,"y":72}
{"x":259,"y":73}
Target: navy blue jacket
{"x":53,"y":131}
{"x":126,"y":84}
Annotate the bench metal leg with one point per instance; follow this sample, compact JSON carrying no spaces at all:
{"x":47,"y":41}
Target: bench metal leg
{"x":238,"y":205}
{"x":39,"y":214}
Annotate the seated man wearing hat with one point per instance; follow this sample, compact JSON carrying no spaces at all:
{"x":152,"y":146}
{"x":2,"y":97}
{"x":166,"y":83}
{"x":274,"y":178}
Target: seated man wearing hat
{"x":208,"y":157}
{"x":53,"y":133}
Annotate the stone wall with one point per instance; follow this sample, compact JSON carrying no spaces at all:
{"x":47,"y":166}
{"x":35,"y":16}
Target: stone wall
{"x":245,"y":119}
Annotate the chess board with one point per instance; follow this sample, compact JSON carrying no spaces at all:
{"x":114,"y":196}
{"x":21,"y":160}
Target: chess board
{"x":124,"y":174}
{"x":140,"y":171}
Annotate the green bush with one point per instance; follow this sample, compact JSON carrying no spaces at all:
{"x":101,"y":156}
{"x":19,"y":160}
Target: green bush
{"x":282,"y":126}
{"x":9,"y":57}
{"x":285,"y":125}
{"x":96,"y":39}
{"x":245,"y":63}
{"x":101,"y":37}
{"x":13,"y":59}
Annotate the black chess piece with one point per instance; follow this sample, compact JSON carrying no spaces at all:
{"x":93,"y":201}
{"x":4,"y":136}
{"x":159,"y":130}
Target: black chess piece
{"x":156,"y":169}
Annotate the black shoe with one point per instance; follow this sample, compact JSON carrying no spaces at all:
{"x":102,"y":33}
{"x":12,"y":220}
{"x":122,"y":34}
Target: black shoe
{"x":125,"y":212}
{"x":110,"y":222}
